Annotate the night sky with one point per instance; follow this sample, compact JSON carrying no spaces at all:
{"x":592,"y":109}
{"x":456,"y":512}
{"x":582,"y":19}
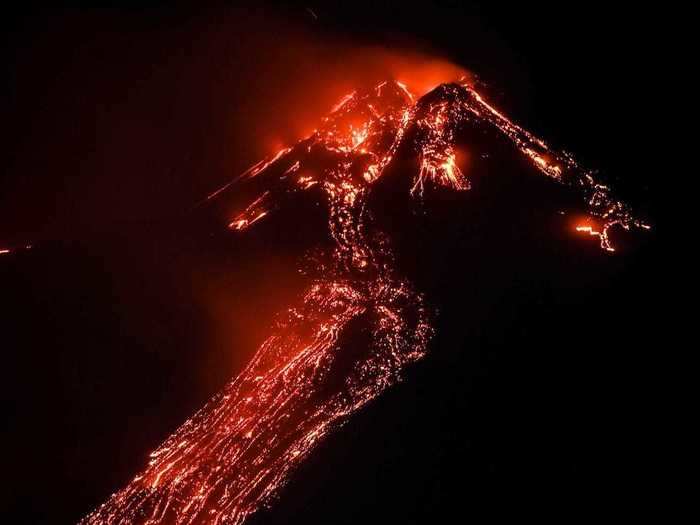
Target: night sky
{"x":540,"y":397}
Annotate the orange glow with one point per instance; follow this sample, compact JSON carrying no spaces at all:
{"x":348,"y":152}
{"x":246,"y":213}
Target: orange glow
{"x":602,"y":234}
{"x":235,"y":454}
{"x":252,"y":214}
{"x":342,"y":102}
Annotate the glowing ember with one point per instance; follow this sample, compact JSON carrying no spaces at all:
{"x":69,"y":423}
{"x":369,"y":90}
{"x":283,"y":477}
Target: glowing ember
{"x":602,"y":235}
{"x":8,"y":251}
{"x":233,"y":455}
{"x":253,"y":213}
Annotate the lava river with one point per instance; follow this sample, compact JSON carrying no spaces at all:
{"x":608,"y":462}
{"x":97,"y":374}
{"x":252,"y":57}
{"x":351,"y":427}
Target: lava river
{"x":359,"y":324}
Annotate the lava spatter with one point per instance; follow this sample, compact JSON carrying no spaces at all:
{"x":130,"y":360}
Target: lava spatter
{"x":232,"y":456}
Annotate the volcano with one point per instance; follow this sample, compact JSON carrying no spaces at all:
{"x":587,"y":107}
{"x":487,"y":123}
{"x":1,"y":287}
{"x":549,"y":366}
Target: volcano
{"x":376,"y":189}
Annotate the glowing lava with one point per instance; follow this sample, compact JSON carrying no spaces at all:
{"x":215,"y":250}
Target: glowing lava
{"x":308,"y":377}
{"x":8,"y":251}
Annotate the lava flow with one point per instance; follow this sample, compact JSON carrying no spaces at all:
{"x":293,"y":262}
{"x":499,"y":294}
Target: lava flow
{"x":355,"y":329}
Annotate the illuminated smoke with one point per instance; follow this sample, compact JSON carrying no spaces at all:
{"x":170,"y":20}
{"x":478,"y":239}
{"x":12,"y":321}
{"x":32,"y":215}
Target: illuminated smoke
{"x":233,"y":455}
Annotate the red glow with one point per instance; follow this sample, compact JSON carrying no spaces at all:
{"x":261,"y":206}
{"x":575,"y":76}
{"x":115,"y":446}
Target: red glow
{"x":236,"y":452}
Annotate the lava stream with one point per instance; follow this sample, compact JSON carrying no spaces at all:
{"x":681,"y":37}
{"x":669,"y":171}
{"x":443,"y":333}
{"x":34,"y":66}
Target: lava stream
{"x":308,"y":377}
